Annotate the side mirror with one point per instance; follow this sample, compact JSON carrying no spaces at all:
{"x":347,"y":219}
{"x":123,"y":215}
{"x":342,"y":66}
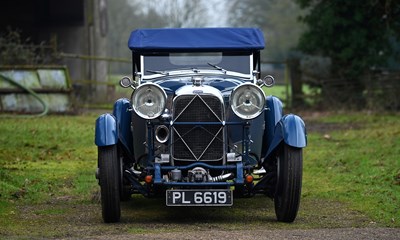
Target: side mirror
{"x":126,"y":82}
{"x":267,"y":81}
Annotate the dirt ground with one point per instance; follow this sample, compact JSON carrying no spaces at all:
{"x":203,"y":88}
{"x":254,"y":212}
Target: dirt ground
{"x":338,"y":234}
{"x":251,"y":218}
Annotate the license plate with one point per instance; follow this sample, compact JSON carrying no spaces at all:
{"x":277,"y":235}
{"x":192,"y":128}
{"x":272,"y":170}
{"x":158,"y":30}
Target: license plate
{"x":199,"y":197}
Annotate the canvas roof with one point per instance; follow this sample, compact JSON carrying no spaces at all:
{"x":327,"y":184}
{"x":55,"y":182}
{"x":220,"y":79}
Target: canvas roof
{"x":196,"y":40}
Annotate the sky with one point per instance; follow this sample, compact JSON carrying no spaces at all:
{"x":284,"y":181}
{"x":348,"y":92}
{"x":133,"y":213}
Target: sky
{"x":217,"y":10}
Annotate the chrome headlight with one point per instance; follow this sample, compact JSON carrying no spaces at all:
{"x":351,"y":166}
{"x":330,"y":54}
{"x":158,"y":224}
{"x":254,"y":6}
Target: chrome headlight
{"x":247,"y":101}
{"x":149,"y":100}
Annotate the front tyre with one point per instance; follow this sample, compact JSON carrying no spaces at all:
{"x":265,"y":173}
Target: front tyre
{"x":110,"y":175}
{"x":288,"y":188}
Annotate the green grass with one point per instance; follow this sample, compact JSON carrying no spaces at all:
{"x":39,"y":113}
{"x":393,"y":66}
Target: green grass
{"x":284,"y":93}
{"x":47,"y":165}
{"x":358,"y":163}
{"x":277,"y":91}
{"x":45,"y":157}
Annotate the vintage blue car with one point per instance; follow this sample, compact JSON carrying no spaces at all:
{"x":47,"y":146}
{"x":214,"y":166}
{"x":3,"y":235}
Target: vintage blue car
{"x":198,"y":129}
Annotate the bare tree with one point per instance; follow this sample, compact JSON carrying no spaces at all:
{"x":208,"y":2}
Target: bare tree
{"x":181,"y":13}
{"x":277,"y":18}
{"x":128,"y":15}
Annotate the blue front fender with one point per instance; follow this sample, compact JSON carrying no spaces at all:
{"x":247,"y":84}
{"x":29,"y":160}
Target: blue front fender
{"x":106,"y":133}
{"x":123,"y":118}
{"x":290,"y":129}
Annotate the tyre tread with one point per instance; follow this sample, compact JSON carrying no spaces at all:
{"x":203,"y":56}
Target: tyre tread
{"x":287,"y":207}
{"x":109,"y":183}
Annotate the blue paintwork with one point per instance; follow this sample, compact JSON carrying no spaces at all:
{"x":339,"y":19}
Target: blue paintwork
{"x":172,"y":85}
{"x":291,"y":129}
{"x":157,"y":174}
{"x":294,"y":131}
{"x":123,"y":117}
{"x":106,"y":133}
{"x":239,"y":173}
{"x":272,"y":115}
{"x":222,"y":84}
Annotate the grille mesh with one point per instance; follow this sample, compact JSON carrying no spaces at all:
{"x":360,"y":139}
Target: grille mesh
{"x":198,"y":138}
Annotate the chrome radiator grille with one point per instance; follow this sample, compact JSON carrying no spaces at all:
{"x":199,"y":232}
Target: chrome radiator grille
{"x":196,"y":142}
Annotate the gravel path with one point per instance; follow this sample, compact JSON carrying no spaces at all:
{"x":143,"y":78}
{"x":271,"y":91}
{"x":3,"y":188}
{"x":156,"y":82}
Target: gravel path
{"x":335,"y":234}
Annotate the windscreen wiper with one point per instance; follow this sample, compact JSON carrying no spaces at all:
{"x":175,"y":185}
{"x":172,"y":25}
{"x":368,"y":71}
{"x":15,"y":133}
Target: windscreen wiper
{"x":158,"y":72}
{"x":217,"y":67}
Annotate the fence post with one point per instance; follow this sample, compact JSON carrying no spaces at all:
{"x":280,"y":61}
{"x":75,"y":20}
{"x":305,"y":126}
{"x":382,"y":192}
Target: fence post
{"x":287,"y":84}
{"x":296,"y":99}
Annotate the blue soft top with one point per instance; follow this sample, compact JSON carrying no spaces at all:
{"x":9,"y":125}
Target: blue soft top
{"x":196,"y":40}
